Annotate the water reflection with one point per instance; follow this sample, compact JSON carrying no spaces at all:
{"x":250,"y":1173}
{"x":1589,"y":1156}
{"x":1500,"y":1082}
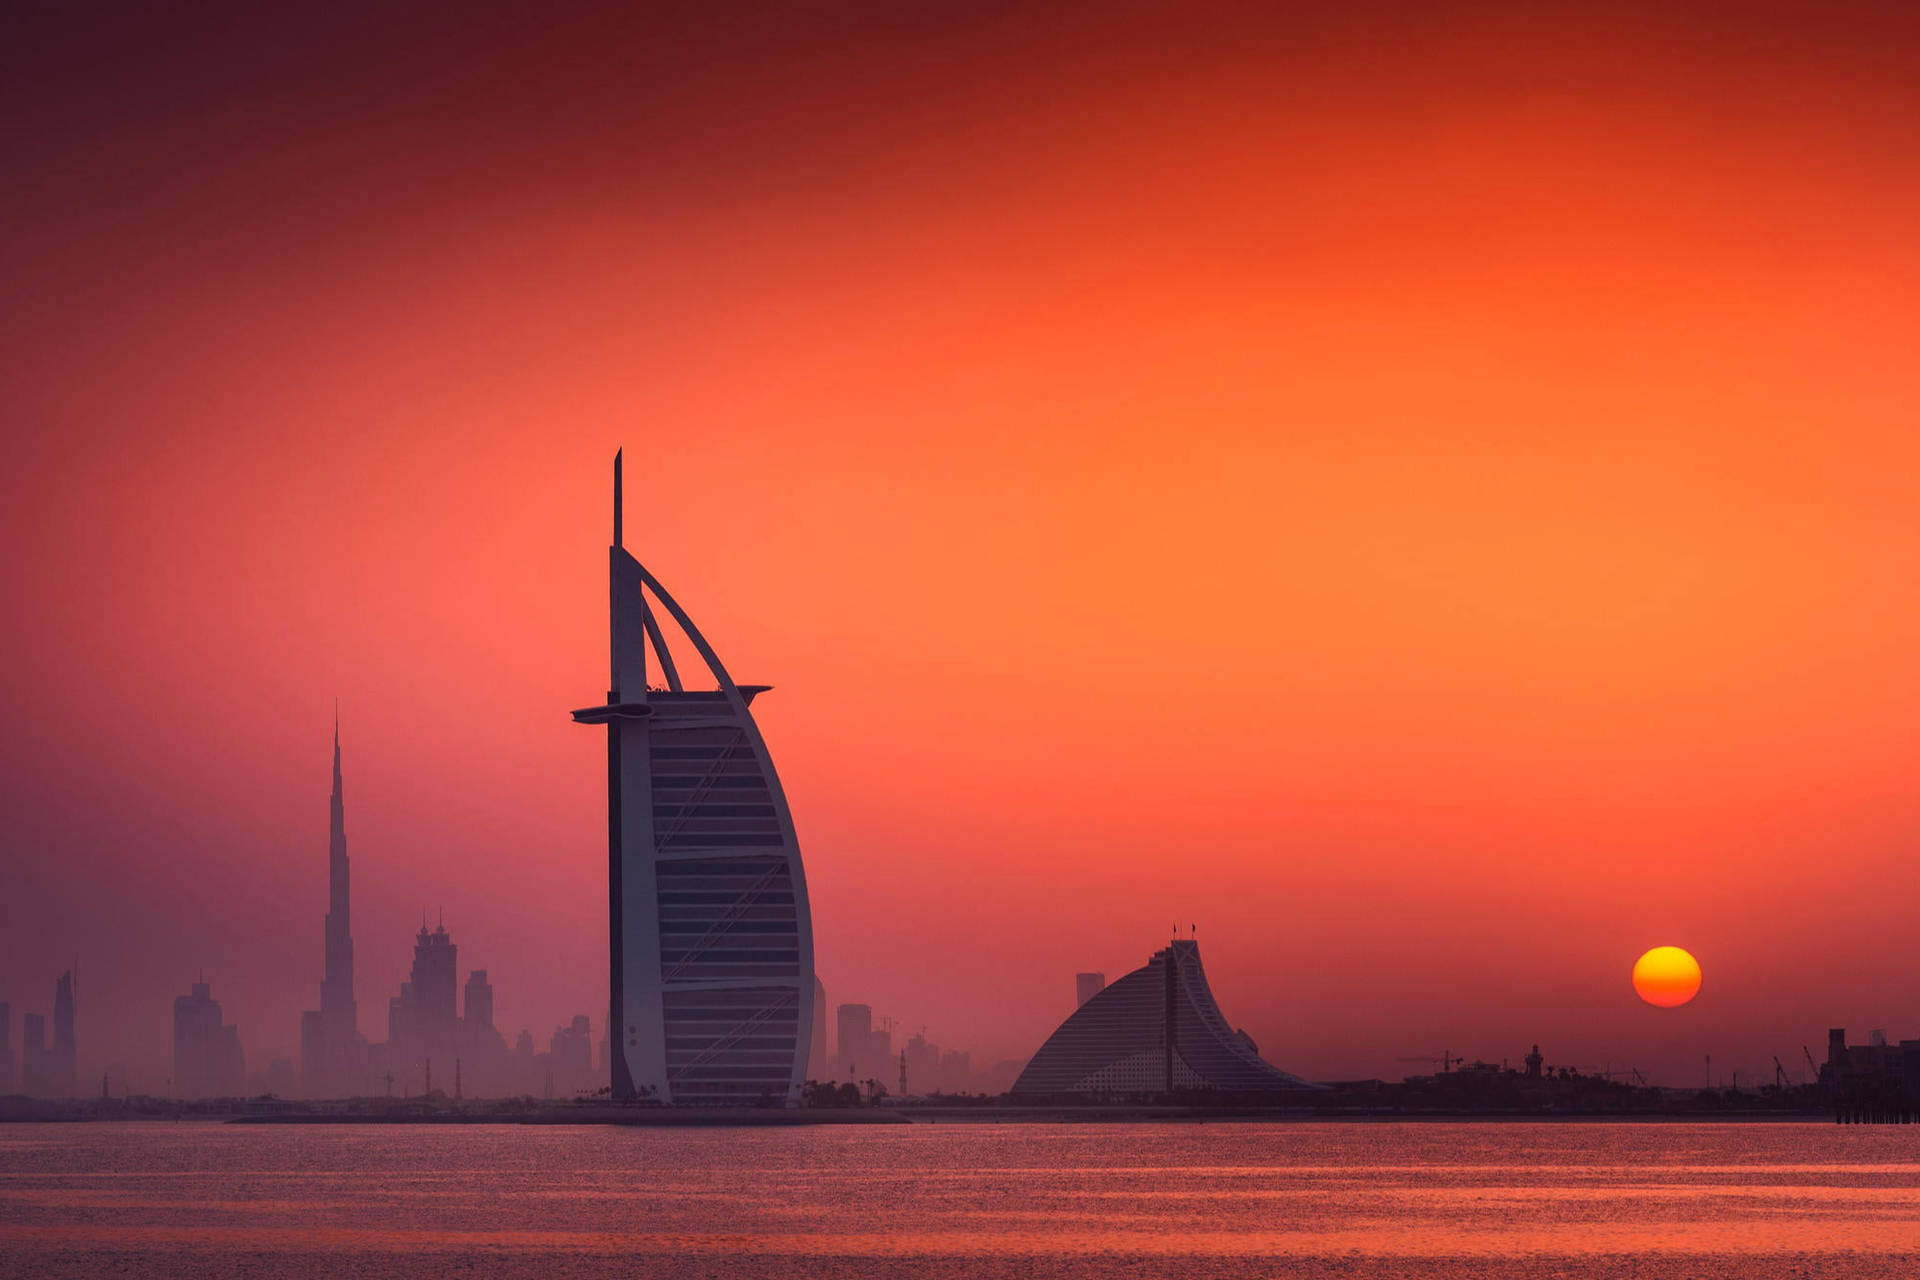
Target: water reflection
{"x":1519,"y":1200}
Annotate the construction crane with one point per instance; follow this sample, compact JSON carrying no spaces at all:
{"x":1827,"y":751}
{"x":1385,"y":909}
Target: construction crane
{"x":1779,"y":1073}
{"x":1811,"y":1064}
{"x":1447,"y":1059}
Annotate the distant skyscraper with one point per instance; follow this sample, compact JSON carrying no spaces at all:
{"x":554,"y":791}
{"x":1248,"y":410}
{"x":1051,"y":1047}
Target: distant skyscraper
{"x":63,"y":1059}
{"x":207,"y":1059}
{"x":6,"y":1049}
{"x":570,"y":1055}
{"x":855,"y":1031}
{"x":710,"y":936}
{"x":436,"y":985}
{"x":921,"y":1058}
{"x":331,"y":1050}
{"x":422,"y":1025}
{"x":819,"y":1067}
{"x":1087,"y":985}
{"x":479,"y":1007}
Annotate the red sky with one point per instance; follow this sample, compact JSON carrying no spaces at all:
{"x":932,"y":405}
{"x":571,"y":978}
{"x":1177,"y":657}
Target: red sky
{"x":1425,"y":492}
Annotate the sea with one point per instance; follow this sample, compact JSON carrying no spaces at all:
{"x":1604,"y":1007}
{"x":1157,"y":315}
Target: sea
{"x":1517,"y":1200}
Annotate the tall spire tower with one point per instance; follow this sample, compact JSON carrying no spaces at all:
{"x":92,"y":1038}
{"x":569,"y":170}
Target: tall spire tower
{"x":710,"y":935}
{"x":330,"y":1036}
{"x":336,"y":987}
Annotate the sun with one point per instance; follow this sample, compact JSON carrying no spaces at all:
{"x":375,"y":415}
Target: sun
{"x":1666,"y":976}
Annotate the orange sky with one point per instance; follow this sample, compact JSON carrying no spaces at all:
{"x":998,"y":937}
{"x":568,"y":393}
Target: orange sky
{"x":1427,"y":494}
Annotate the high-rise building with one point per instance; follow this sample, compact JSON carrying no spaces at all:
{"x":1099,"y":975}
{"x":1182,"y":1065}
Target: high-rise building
{"x":570,"y":1055}
{"x":479,"y":1006}
{"x":6,"y":1049}
{"x":34,"y":1078}
{"x":710,"y":936}
{"x":1086,"y":986}
{"x":207,"y":1058}
{"x":819,"y":1066}
{"x":855,"y":1031}
{"x":436,"y":983}
{"x":64,"y":1057}
{"x":332,"y":1052}
{"x":422,"y":1026}
{"x":922,"y":1061}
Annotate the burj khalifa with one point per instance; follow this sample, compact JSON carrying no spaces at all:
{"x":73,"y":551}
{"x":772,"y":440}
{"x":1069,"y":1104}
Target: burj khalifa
{"x":331,"y":1050}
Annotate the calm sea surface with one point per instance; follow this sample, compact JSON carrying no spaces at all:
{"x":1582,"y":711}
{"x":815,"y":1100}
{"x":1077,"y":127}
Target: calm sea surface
{"x":977,"y":1201}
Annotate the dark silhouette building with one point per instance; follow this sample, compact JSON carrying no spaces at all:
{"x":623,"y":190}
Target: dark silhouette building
{"x":1154,"y":1033}
{"x":422,"y":1025}
{"x":63,"y":1057}
{"x":920,"y":1059}
{"x":478,"y":1012}
{"x":570,"y":1056}
{"x":207,"y":1058}
{"x":6,"y":1049}
{"x":333,"y":1054}
{"x":710,"y":935}
{"x":1877,"y":1082}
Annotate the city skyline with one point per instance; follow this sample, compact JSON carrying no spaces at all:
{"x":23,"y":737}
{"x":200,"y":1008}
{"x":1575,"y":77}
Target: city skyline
{"x":1409,"y":500}
{"x":1236,"y":470}
{"x":424,"y":1024}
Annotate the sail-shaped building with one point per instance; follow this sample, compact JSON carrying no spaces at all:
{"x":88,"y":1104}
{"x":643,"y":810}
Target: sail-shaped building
{"x":711,"y":939}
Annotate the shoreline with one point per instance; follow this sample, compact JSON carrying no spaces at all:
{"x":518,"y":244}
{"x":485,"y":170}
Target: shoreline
{"x":933,"y":1114}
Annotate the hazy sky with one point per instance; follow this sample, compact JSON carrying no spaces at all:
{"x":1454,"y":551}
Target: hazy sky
{"x":1425,"y":492}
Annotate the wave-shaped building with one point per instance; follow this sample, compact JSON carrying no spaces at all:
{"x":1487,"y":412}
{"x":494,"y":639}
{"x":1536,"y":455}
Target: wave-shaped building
{"x":710,"y":933}
{"x":1155,"y":1032}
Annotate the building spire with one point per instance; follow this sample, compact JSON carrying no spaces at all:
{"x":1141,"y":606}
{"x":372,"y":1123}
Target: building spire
{"x":617,"y":503}
{"x":336,"y":986}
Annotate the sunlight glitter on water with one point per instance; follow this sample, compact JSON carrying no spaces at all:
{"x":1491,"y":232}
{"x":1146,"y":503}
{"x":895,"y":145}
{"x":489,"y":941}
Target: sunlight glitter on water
{"x":1454,"y":1199}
